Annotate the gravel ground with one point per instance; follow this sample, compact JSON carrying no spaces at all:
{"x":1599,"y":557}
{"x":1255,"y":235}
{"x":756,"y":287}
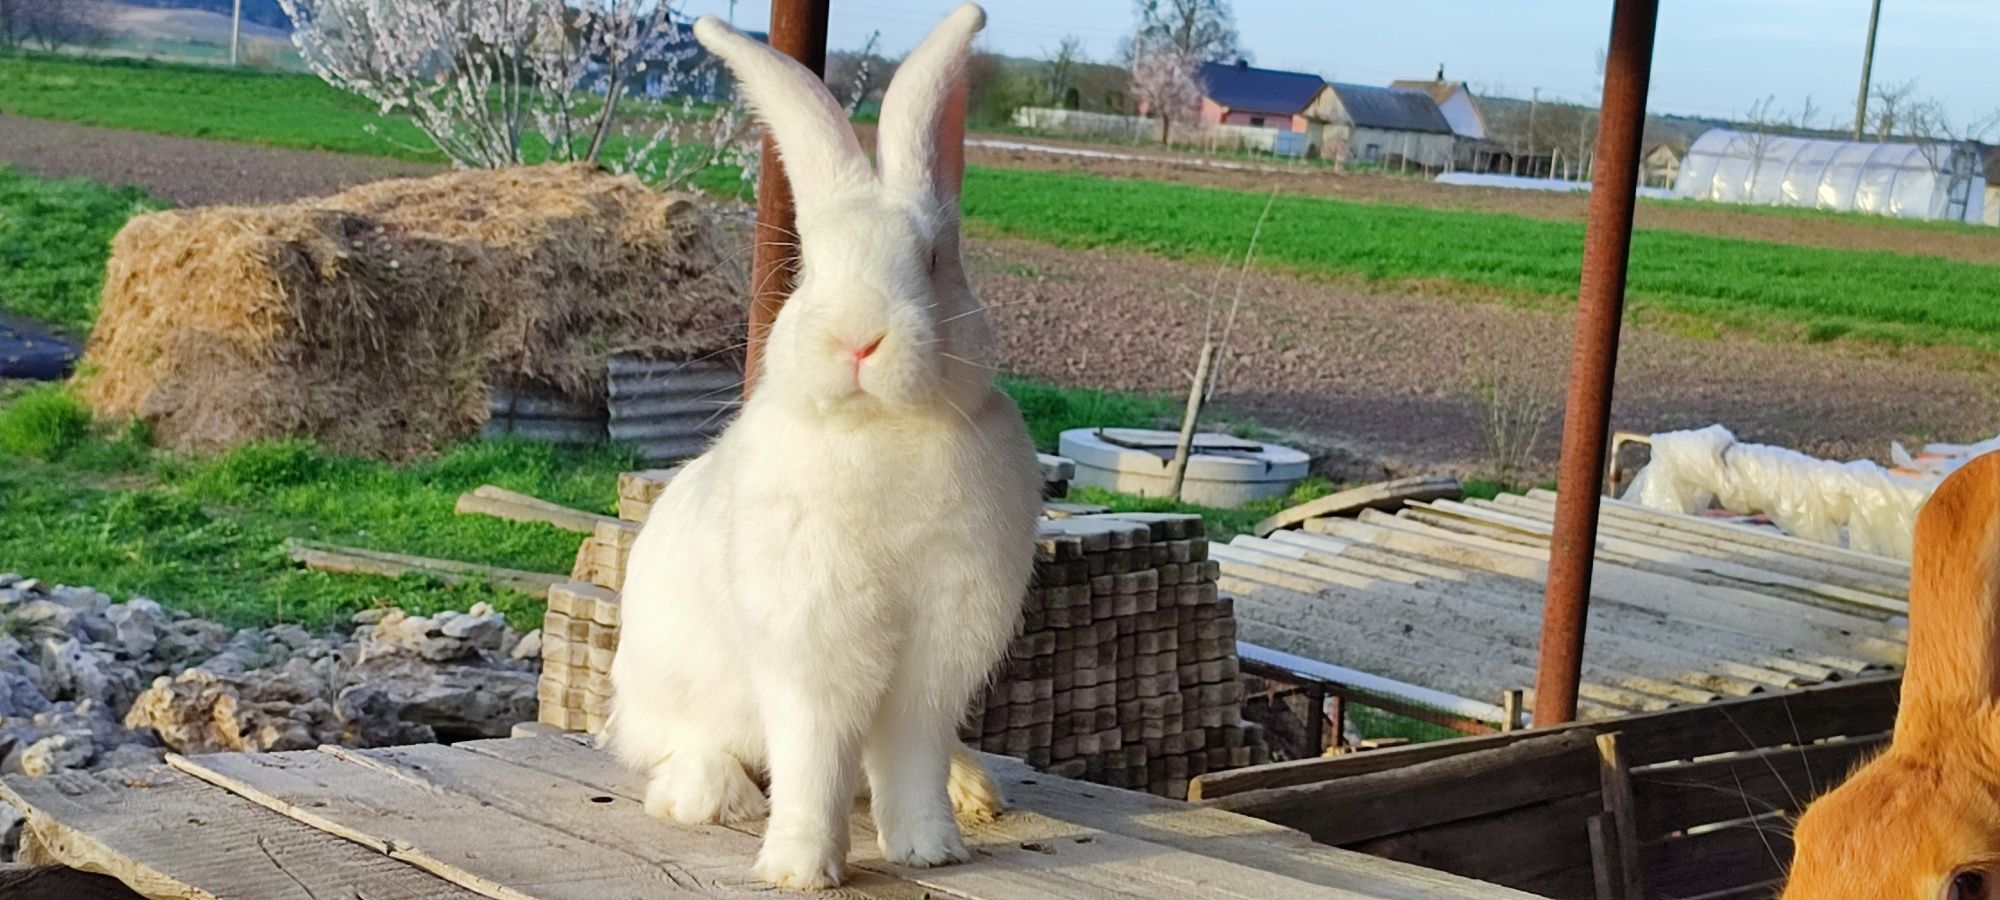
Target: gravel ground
{"x":1385,"y":373}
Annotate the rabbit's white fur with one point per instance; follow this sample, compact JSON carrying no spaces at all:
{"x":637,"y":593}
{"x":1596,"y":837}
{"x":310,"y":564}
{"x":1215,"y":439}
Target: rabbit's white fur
{"x":819,"y":595}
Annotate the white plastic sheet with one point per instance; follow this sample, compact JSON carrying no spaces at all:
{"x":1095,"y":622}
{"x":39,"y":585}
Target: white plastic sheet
{"x":1860,"y":505}
{"x":1940,"y":459}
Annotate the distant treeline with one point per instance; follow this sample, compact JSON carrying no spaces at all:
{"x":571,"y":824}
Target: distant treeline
{"x":262,"y":12}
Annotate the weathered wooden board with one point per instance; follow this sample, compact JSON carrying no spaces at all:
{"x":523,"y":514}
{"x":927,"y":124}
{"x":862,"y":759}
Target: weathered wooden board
{"x":1069,"y":839}
{"x":1860,"y":707}
{"x":497,"y":501}
{"x":1723,"y":859}
{"x":458,"y":838}
{"x":166,"y":834}
{"x":1388,"y":495}
{"x":1676,"y":797}
{"x":1346,"y":811}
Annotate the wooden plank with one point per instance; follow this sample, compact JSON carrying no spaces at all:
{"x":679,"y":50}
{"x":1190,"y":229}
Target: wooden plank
{"x":455,"y":837}
{"x":1026,"y":854}
{"x":1694,"y":565}
{"x":1764,"y":537}
{"x":1679,"y":796}
{"x":1350,"y":810}
{"x":1620,"y":817}
{"x":1388,"y":495}
{"x":1649,"y":652}
{"x":1609,"y":610}
{"x":321,"y":557}
{"x":1860,"y":707}
{"x":140,"y":826}
{"x":1725,"y":859}
{"x":1518,"y":847}
{"x":1225,"y":835}
{"x":715,"y":861}
{"x":1787,"y":561}
{"x":1734,"y":607}
{"x":516,"y":507}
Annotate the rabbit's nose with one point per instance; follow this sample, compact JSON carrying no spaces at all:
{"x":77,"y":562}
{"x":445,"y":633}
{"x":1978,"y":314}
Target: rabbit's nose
{"x":863,"y":351}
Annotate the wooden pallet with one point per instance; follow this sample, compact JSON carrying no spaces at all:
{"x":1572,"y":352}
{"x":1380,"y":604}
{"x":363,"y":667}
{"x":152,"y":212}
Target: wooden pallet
{"x":550,"y":817}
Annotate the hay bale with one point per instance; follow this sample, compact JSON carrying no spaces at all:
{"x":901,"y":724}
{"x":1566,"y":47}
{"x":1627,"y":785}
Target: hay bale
{"x":375,"y":321}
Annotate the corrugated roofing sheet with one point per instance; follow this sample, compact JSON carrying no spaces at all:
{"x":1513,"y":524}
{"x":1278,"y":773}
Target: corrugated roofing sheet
{"x":1391,"y":109}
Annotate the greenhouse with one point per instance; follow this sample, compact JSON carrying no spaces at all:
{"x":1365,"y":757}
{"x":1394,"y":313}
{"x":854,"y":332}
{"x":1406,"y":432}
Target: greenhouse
{"x":1907,"y":180}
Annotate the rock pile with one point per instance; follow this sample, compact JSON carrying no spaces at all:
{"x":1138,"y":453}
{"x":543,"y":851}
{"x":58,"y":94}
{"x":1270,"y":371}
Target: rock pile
{"x":86,"y":683}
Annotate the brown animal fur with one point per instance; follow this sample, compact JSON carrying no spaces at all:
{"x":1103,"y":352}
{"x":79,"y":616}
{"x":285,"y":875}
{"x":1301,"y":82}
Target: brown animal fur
{"x":1929,"y":807}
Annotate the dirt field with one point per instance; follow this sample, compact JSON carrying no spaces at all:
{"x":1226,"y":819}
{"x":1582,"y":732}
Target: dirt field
{"x":1385,"y":373}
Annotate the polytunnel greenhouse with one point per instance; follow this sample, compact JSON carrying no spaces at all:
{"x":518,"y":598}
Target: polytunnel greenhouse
{"x":1908,"y":180}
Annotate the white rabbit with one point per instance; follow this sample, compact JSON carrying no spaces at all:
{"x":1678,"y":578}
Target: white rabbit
{"x":821,"y":592}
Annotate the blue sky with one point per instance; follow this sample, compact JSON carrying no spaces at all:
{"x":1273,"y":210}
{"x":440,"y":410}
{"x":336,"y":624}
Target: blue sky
{"x":1715,"y":57}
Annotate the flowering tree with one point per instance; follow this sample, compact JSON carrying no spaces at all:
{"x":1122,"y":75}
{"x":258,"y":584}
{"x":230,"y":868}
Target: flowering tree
{"x":1164,"y":84}
{"x":489,"y":81}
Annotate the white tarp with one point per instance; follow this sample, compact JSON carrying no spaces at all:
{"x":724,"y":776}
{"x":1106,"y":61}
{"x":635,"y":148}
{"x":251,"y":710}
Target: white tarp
{"x":1859,"y":505}
{"x":1908,"y":180}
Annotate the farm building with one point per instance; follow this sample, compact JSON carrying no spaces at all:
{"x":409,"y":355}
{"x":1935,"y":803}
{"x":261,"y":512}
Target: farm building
{"x":1389,"y":126}
{"x":1906,"y":180}
{"x":1660,"y":164}
{"x":1241,"y":94}
{"x":1475,"y":151}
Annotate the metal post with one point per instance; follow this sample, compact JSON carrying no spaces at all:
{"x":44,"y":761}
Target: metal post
{"x":798,"y":29}
{"x":1867,"y":63}
{"x":1593,"y":358}
{"x":235,"y":31}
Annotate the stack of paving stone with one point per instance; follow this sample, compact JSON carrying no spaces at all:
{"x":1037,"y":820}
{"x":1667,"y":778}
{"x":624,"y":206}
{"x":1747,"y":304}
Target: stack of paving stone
{"x":579,"y":636}
{"x":1123,"y":670}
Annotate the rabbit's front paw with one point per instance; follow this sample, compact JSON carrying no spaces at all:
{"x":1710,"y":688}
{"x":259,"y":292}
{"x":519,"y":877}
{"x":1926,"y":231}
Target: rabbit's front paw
{"x":924,"y":844}
{"x":701,"y":789}
{"x":799,"y":865}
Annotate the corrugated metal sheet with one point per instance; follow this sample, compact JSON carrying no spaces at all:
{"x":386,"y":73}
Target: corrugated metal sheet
{"x":1446,"y":597}
{"x":542,"y":415}
{"x":1391,"y":109}
{"x":672,"y":410}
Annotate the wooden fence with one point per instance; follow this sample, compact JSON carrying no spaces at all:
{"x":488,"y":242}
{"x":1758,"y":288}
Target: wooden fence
{"x":1685,"y":803}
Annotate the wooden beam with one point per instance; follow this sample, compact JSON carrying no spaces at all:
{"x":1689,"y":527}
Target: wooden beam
{"x":501,"y":503}
{"x":358,"y":561}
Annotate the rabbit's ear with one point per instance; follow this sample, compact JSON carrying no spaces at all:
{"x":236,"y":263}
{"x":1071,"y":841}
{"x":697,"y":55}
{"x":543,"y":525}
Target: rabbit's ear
{"x":921,"y":139}
{"x":815,"y":141}
{"x":1954,"y":662}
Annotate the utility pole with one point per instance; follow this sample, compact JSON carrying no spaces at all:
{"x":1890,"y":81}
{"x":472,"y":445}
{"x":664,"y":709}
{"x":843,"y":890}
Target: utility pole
{"x":235,"y":31}
{"x":1867,"y":62}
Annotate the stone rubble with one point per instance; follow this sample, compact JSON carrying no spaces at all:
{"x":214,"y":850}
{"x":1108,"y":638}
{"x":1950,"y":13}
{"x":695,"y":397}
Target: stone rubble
{"x":86,"y":683}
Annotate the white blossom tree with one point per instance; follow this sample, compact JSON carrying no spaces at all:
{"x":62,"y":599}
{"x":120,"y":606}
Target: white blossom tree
{"x":495,"y":82}
{"x":1165,"y":84}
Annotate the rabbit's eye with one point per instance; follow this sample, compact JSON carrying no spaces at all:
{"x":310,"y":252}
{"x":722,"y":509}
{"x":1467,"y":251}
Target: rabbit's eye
{"x":1966,"y":885}
{"x":934,"y":259}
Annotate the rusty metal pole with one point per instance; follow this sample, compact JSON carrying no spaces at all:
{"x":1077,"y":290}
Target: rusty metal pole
{"x":798,"y":30}
{"x":1593,"y":359}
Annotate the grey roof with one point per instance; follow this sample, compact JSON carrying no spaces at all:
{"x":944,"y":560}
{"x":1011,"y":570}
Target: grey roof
{"x":1391,"y":109}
